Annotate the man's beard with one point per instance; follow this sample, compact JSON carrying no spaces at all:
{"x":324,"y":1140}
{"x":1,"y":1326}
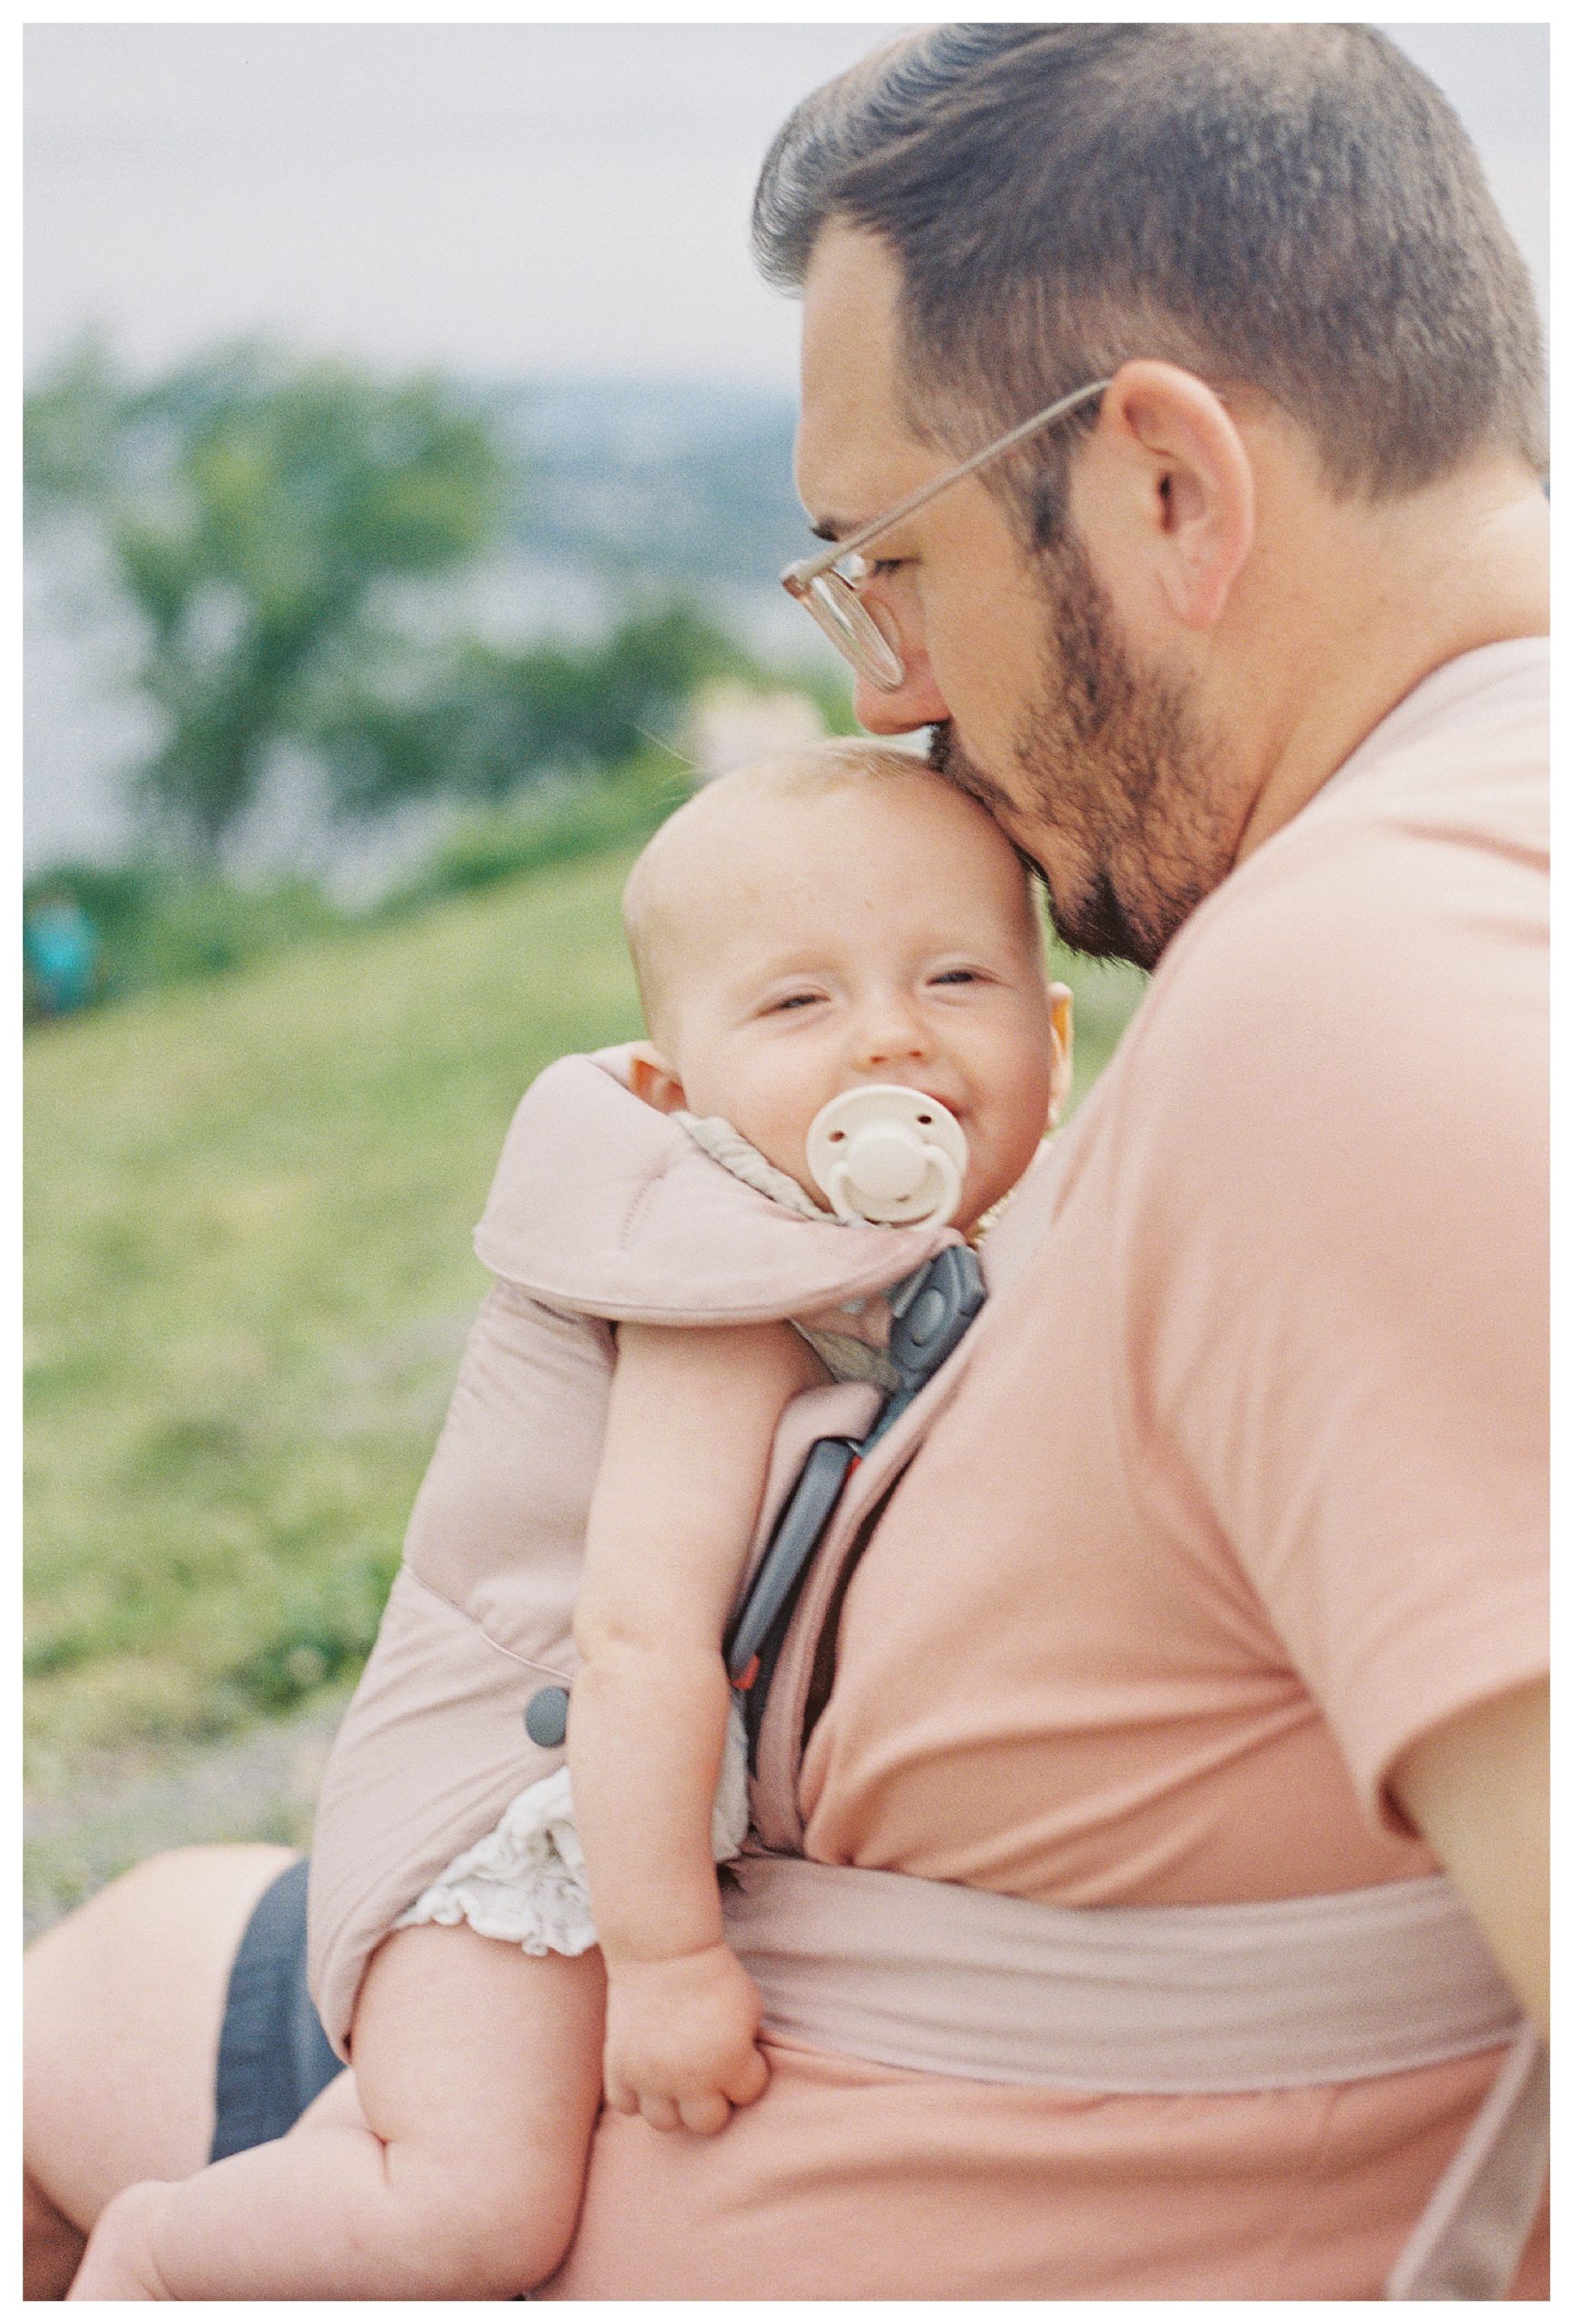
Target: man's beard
{"x":1115,"y":777}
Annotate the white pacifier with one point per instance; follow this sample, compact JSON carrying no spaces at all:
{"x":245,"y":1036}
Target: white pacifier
{"x":888,"y":1156}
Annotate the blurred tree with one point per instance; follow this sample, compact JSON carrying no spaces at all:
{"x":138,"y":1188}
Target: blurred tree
{"x":486,"y":721}
{"x":69,"y":428}
{"x":251,"y":507}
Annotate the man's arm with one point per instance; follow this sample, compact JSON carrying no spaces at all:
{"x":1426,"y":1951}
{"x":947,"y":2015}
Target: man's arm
{"x":1348,"y":1228}
{"x":1478,"y":1788}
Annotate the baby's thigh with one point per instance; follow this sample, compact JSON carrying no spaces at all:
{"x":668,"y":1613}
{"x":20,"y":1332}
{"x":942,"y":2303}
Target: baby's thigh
{"x":469,"y":2043}
{"x":123,"y":2001}
{"x":479,"y":2065}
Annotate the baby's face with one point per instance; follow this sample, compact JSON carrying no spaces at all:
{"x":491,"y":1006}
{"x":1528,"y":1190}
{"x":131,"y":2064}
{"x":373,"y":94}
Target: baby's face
{"x":878,"y":932}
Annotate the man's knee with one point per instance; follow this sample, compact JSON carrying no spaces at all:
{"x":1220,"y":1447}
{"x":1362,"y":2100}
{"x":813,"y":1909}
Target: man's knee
{"x":220,"y":1880}
{"x":123,"y":2001}
{"x":165,"y":1934}
{"x":180,"y":1890}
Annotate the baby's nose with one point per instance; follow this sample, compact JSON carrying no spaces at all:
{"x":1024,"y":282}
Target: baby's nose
{"x":892,"y":1035}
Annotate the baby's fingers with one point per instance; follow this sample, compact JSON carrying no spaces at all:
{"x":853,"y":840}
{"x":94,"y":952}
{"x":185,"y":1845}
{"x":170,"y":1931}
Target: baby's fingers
{"x":706,"y":2115}
{"x":747,"y":2080}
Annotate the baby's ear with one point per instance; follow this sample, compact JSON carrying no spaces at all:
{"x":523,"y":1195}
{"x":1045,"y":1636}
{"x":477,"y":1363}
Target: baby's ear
{"x":650,"y":1077}
{"x":1061,"y":1000}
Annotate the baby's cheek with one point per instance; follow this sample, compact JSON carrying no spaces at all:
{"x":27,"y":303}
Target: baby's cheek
{"x":1025,"y":1116}
{"x":784,"y":1145}
{"x":1027,"y":1079}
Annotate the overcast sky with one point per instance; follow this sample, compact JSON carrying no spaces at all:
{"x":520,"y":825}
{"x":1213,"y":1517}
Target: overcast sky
{"x":502,"y":199}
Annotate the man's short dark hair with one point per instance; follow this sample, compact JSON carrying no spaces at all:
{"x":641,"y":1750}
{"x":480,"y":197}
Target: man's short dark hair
{"x":1295,"y":207}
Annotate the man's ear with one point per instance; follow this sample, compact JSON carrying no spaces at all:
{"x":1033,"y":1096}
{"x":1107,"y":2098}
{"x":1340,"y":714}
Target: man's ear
{"x":650,"y":1077}
{"x":1061,"y":1001}
{"x":1175,"y":495}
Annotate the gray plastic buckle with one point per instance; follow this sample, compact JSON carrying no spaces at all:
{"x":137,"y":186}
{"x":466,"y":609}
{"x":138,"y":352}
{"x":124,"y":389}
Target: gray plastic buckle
{"x":930,"y":1311}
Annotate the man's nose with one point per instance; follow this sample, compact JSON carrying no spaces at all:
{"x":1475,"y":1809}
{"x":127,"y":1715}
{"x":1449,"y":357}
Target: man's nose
{"x":916,"y":702}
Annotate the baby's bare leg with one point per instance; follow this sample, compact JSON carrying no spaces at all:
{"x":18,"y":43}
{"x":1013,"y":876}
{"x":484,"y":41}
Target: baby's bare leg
{"x":478,"y":2071}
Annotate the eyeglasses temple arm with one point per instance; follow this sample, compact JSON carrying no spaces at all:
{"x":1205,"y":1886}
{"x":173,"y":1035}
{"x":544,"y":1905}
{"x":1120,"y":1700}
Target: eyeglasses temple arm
{"x":797,"y":577}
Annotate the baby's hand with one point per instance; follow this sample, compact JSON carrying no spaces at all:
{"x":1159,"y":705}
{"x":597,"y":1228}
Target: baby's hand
{"x":680,"y":2040}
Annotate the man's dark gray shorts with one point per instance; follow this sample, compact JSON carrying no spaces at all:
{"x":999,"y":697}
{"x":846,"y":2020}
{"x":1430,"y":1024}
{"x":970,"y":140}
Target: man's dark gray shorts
{"x":273,"y":2055}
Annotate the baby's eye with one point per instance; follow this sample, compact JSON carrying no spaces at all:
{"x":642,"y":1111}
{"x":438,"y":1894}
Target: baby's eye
{"x":791,"y":1001}
{"x":956,"y":976}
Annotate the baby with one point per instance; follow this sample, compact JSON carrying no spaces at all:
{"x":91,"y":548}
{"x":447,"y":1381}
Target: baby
{"x":821,"y":923}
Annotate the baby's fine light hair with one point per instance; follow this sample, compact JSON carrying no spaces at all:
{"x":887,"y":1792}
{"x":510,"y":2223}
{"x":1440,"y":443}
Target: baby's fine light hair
{"x":815,"y":771}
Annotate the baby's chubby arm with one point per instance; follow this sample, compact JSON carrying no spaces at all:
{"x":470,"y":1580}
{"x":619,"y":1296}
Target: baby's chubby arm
{"x":682,"y":1474}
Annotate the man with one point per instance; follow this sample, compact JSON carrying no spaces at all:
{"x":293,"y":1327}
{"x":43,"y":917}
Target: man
{"x":1219,"y":1579}
{"x":1222,"y":1577}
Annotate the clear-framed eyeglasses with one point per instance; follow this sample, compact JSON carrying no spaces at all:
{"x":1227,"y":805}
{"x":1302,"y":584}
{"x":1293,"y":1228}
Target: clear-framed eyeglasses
{"x":829,"y":586}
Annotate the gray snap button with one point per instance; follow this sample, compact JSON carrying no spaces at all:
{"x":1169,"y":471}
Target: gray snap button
{"x":546,"y":1717}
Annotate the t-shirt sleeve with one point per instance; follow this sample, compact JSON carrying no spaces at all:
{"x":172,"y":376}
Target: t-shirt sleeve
{"x":1333,"y":1272}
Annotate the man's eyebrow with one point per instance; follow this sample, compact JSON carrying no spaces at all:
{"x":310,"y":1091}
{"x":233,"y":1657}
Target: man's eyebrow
{"x":830,"y":528}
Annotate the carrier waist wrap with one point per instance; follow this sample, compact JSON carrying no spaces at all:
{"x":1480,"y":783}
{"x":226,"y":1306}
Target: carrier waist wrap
{"x":1164,"y":2000}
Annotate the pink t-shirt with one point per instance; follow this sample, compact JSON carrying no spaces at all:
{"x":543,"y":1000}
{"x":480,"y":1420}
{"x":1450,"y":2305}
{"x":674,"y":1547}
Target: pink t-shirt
{"x":1244,"y":1491}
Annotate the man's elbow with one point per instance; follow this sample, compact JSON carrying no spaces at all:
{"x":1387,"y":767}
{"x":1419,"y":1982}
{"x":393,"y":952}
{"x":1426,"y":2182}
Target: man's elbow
{"x":1478,"y":1789}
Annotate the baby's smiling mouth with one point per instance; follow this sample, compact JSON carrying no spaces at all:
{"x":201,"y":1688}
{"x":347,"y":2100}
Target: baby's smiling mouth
{"x":953,"y":1106}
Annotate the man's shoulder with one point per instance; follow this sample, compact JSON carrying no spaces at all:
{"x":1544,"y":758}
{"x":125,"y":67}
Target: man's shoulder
{"x":1375,"y":978}
{"x":1450,"y":790}
{"x":1424,"y":880}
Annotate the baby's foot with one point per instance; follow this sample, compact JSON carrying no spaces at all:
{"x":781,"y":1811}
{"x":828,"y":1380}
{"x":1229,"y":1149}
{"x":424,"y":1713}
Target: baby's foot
{"x":118,"y":2263}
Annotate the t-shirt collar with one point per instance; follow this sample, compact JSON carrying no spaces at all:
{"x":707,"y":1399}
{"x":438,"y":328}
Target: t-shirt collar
{"x":1470,"y":682}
